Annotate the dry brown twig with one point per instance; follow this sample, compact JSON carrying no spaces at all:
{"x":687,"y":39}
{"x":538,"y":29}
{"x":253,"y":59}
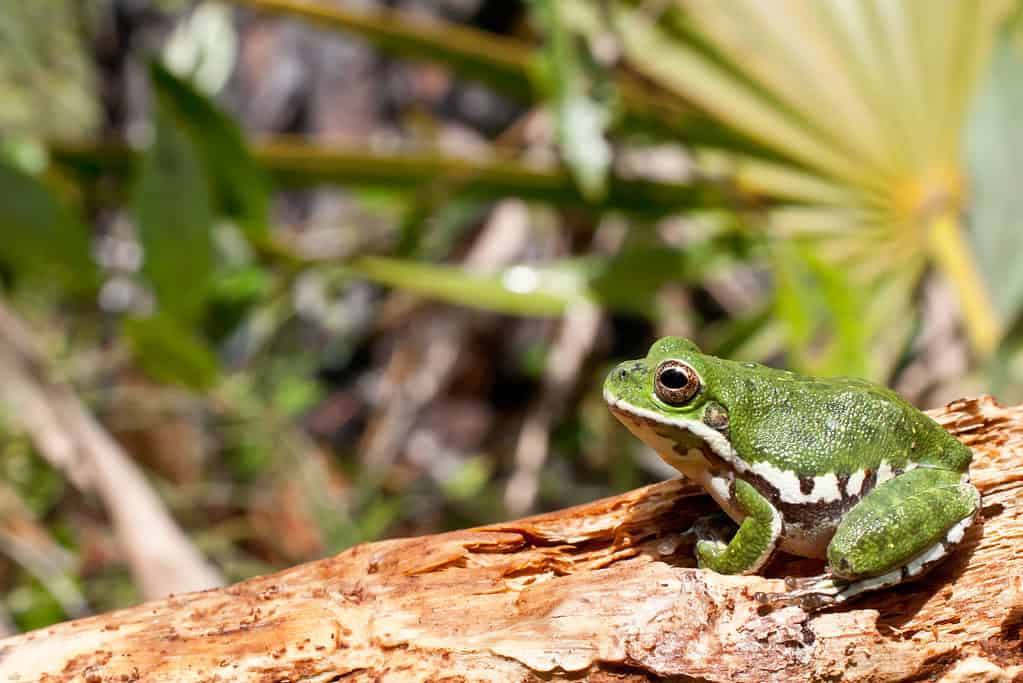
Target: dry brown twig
{"x":162,"y":558}
{"x":596,"y":592}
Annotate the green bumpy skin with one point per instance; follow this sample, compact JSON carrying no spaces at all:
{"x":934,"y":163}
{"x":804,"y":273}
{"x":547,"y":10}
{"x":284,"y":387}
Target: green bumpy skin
{"x":835,"y":468}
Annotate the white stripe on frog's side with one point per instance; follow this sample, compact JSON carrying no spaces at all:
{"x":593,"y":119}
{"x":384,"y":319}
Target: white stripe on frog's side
{"x":928,"y":557}
{"x":854,"y":485}
{"x":863,"y":585}
{"x":823,"y":490}
{"x":956,"y":533}
{"x":942,"y":548}
{"x":884,"y":473}
{"x":825,"y":487}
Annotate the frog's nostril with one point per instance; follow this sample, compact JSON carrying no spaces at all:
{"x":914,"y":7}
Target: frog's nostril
{"x":623,"y":374}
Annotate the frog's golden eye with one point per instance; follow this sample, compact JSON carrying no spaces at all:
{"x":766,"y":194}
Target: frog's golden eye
{"x":675,"y":382}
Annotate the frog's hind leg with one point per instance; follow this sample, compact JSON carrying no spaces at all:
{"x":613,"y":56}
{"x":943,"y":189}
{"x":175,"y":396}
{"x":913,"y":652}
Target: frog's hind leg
{"x":898,"y":532}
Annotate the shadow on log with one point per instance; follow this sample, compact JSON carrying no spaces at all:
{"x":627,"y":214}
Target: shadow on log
{"x":600,"y":592}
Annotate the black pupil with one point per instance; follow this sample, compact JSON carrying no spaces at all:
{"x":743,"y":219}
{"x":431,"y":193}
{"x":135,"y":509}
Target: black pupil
{"x":673,"y":378}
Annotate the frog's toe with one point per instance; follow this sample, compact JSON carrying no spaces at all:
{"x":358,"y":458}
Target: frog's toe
{"x":793,"y":583}
{"x":708,"y":552}
{"x":811,"y":593}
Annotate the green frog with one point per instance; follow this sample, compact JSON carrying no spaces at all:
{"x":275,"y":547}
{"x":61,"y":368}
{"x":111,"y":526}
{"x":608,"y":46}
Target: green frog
{"x":839,"y":469}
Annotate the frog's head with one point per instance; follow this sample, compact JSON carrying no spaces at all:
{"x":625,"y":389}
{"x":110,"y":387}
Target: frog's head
{"x":667,"y":399}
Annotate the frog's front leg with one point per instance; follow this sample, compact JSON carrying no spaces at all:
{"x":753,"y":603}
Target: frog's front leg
{"x":896,"y":533}
{"x":755,"y":541}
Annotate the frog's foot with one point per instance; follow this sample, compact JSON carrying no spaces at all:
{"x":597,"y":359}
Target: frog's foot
{"x":817,"y":592}
{"x":811,"y":592}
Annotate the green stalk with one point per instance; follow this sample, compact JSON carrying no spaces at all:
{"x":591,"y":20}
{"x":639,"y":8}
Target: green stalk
{"x":302,"y":165}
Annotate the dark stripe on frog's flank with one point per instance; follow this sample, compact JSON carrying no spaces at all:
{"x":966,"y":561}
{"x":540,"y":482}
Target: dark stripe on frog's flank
{"x":812,"y":511}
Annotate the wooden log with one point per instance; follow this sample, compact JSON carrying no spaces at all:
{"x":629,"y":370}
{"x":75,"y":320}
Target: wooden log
{"x":600,"y":592}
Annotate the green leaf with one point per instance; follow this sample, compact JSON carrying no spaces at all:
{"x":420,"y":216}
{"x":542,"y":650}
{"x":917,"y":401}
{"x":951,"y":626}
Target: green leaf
{"x":42,"y":237}
{"x":520,"y":290}
{"x":627,"y":282}
{"x":174,"y":215}
{"x":811,"y":297}
{"x":171,"y":353}
{"x":233,"y":294}
{"x":240,"y":188}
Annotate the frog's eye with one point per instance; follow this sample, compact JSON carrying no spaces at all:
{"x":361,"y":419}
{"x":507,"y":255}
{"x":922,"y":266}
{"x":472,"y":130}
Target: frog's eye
{"x":675,"y":382}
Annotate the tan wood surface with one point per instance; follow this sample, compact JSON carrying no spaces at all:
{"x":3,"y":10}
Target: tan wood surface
{"x":604,"y":591}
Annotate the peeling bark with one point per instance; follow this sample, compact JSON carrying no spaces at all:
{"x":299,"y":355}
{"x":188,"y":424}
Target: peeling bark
{"x":600,"y":592}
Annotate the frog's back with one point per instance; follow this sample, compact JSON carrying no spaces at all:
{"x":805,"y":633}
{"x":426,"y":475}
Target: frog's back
{"x":837,"y":425}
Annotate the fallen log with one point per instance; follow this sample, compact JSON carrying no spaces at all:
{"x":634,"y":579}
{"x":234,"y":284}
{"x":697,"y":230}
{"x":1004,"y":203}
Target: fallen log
{"x":600,"y":592}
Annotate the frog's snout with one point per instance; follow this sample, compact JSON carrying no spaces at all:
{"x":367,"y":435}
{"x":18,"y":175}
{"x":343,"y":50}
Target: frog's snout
{"x":621,"y":373}
{"x":622,"y":379}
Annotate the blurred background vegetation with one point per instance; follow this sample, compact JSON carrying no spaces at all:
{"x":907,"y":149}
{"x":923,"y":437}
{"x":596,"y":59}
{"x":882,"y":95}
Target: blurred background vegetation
{"x":333,"y":270}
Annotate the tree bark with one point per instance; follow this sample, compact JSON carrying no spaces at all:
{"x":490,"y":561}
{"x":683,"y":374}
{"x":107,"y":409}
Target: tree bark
{"x":604,"y":591}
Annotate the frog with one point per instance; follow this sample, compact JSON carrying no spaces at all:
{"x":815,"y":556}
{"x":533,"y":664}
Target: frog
{"x":837,"y":468}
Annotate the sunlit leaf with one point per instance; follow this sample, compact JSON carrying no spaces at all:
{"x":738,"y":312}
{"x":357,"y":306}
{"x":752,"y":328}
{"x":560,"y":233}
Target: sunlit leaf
{"x":41,"y":236}
{"x":174,"y":216}
{"x":520,"y":290}
{"x":627,"y":282}
{"x":169,"y":352}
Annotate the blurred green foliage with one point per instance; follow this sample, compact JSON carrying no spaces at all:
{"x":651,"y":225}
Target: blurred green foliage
{"x":830,"y":168}
{"x":48,"y":83}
